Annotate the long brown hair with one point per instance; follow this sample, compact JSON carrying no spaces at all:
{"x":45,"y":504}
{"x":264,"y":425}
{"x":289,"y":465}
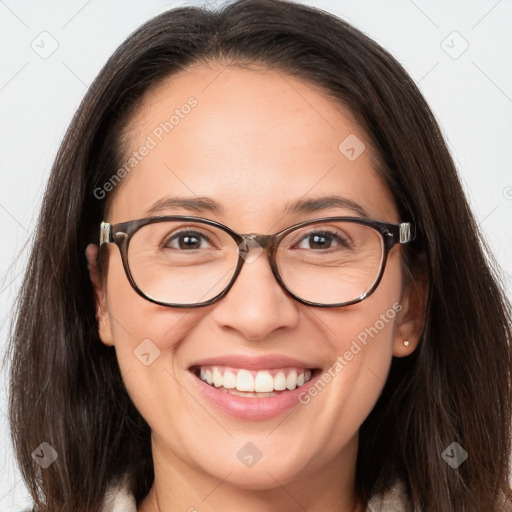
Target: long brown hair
{"x":66,"y":388}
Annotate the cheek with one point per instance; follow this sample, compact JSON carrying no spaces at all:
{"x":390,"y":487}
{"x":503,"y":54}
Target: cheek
{"x":146,"y":340}
{"x":348,"y":389}
{"x":360,"y":340}
{"x":365,"y":331}
{"x":362,"y":345}
{"x":135,"y":320}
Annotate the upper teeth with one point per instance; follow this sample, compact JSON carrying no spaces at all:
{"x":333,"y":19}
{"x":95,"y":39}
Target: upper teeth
{"x":260,"y":382}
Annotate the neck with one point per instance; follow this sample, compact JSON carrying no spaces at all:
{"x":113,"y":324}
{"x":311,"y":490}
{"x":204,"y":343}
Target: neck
{"x":179,"y":486}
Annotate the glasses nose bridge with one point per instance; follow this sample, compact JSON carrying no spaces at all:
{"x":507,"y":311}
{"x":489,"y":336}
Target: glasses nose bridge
{"x":264,"y":241}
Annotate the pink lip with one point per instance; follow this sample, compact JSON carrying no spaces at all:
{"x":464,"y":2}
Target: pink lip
{"x":266,"y":362}
{"x":252,"y":409}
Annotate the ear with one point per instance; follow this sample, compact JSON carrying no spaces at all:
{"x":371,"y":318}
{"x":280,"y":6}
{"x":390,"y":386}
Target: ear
{"x":411,"y":318}
{"x":102,"y":316}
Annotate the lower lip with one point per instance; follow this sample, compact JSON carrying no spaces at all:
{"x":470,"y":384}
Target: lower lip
{"x":248,"y":408}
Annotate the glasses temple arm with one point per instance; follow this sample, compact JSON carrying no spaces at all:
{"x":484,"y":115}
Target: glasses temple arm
{"x":106,"y":234}
{"x":407,"y":232}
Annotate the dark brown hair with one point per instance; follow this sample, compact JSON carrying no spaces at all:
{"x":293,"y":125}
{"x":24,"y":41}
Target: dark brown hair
{"x":66,"y":387}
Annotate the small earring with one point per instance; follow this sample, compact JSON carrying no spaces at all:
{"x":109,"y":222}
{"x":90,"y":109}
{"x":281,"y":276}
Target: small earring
{"x":407,"y":343}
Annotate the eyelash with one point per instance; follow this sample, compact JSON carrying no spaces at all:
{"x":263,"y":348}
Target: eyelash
{"x":175,"y":235}
{"x":333,"y":236}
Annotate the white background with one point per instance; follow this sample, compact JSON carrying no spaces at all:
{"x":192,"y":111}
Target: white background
{"x":471,"y":95}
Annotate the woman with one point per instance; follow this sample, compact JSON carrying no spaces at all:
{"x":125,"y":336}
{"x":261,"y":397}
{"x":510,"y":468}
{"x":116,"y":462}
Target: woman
{"x":358,"y":359}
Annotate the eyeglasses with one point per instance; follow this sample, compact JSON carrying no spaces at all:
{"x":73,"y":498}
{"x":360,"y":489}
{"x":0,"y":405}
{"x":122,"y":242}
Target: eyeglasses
{"x":185,"y":261}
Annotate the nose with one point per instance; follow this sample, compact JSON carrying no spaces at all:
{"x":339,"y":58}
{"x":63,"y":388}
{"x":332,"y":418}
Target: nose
{"x":256,"y":305}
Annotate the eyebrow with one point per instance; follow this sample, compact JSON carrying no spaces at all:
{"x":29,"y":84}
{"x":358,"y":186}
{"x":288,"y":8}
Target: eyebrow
{"x":325,"y":203}
{"x":206,"y":204}
{"x":198,"y":204}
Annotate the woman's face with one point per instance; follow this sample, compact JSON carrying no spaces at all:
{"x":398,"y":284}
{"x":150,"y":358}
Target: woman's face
{"x":255,"y":142}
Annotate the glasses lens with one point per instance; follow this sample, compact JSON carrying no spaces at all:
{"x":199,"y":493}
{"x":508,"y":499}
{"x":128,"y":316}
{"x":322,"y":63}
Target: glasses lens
{"x":182,"y":262}
{"x":330,"y":262}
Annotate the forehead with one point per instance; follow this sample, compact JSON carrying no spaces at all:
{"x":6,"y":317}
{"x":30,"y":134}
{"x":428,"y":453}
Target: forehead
{"x":252,"y":139}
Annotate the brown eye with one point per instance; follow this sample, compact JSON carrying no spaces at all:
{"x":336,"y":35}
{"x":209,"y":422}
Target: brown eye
{"x":186,"y":240}
{"x":322,"y":240}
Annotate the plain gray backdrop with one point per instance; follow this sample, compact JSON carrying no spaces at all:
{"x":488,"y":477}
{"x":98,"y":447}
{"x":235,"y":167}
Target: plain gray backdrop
{"x":459,"y":53}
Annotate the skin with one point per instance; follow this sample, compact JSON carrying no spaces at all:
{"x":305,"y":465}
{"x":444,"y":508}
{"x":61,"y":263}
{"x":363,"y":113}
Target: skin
{"x":257,"y":140}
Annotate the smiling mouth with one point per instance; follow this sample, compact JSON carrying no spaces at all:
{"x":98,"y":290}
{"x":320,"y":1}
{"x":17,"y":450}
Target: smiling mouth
{"x":251,"y":383}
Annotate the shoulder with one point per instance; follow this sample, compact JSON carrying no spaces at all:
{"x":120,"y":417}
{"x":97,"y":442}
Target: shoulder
{"x":393,"y":499}
{"x":119,"y":498}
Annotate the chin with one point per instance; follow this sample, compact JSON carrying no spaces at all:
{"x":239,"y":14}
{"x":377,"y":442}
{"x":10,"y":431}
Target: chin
{"x":264,"y":478}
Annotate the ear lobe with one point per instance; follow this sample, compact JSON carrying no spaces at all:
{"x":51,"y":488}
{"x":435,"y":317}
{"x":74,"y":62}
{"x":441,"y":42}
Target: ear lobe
{"x":411,"y":318}
{"x":102,"y":316}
